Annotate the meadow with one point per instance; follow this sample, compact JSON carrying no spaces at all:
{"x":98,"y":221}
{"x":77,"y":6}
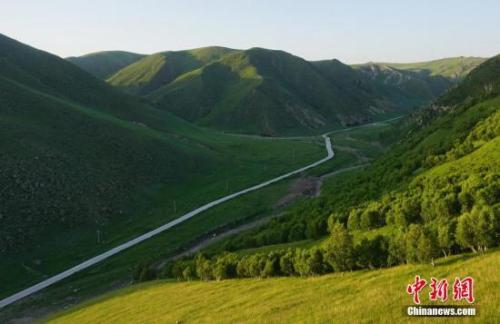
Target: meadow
{"x":361,"y":296}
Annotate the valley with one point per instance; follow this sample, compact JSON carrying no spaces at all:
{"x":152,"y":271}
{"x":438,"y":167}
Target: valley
{"x":213,"y":171}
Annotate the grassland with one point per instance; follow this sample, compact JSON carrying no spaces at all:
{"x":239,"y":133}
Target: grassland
{"x":361,"y":296}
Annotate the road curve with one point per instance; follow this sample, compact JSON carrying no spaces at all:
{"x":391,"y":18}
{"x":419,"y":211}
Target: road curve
{"x":90,"y":262}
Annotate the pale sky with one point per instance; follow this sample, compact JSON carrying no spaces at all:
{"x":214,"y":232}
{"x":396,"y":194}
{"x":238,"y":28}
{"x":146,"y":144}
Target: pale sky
{"x":352,"y":31}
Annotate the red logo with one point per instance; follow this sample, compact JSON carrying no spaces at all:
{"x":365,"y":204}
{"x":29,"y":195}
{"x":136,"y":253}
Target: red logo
{"x":439,"y":289}
{"x":462,"y":289}
{"x":415,"y":288}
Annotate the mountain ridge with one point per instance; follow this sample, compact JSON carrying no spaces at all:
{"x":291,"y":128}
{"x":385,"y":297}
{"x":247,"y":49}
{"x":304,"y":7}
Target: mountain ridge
{"x":213,"y":90}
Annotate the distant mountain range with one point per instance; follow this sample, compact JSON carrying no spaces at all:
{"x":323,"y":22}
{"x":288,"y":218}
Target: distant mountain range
{"x":272,"y":92}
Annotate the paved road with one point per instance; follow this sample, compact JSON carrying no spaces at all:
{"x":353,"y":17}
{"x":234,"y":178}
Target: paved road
{"x":90,"y":262}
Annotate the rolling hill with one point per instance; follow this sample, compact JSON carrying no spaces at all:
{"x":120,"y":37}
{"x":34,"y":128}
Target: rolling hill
{"x":84,"y":166}
{"x":104,"y":64}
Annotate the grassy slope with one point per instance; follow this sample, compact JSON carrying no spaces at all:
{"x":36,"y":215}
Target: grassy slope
{"x":453,"y":67}
{"x":153,"y":71}
{"x":361,"y":296}
{"x":104,"y":64}
{"x":79,"y":157}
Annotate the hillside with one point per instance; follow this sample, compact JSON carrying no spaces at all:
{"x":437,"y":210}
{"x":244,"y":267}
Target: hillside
{"x":454,"y":68}
{"x":361,"y":296}
{"x":153,"y":71}
{"x":86,"y":167}
{"x":418,"y":84}
{"x":102,"y":65}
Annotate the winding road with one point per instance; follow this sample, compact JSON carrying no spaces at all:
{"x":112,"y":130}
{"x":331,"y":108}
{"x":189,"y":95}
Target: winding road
{"x":103,"y":256}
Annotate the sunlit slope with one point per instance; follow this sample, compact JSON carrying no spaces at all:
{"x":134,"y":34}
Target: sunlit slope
{"x":453,"y":67}
{"x":154,"y":71}
{"x":360,"y":296}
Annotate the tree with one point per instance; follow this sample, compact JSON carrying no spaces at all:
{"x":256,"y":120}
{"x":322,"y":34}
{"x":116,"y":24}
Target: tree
{"x":412,"y":237}
{"x":484,"y":229}
{"x":372,"y":253}
{"x":203,"y":267}
{"x":396,"y":249}
{"x":286,"y":263}
{"x":256,"y":264}
{"x":339,"y":251}
{"x":445,"y":236}
{"x":272,"y":266}
{"x":242,"y":268}
{"x":225,"y":266}
{"x":187,"y":274}
{"x":426,"y":248}
{"x":309,"y":262}
{"x":465,"y":232}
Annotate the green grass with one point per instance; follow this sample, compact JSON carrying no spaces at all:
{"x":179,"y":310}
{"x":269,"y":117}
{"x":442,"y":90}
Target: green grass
{"x":360,"y":296}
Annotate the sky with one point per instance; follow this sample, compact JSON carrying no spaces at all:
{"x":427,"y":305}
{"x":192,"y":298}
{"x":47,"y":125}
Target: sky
{"x":353,"y":31}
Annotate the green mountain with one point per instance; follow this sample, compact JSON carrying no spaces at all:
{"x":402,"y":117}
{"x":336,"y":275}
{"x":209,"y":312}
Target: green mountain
{"x":454,"y":68}
{"x":272,"y":92}
{"x":153,"y":71}
{"x":104,"y":64}
{"x":84,"y":166}
{"x":263,"y":91}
